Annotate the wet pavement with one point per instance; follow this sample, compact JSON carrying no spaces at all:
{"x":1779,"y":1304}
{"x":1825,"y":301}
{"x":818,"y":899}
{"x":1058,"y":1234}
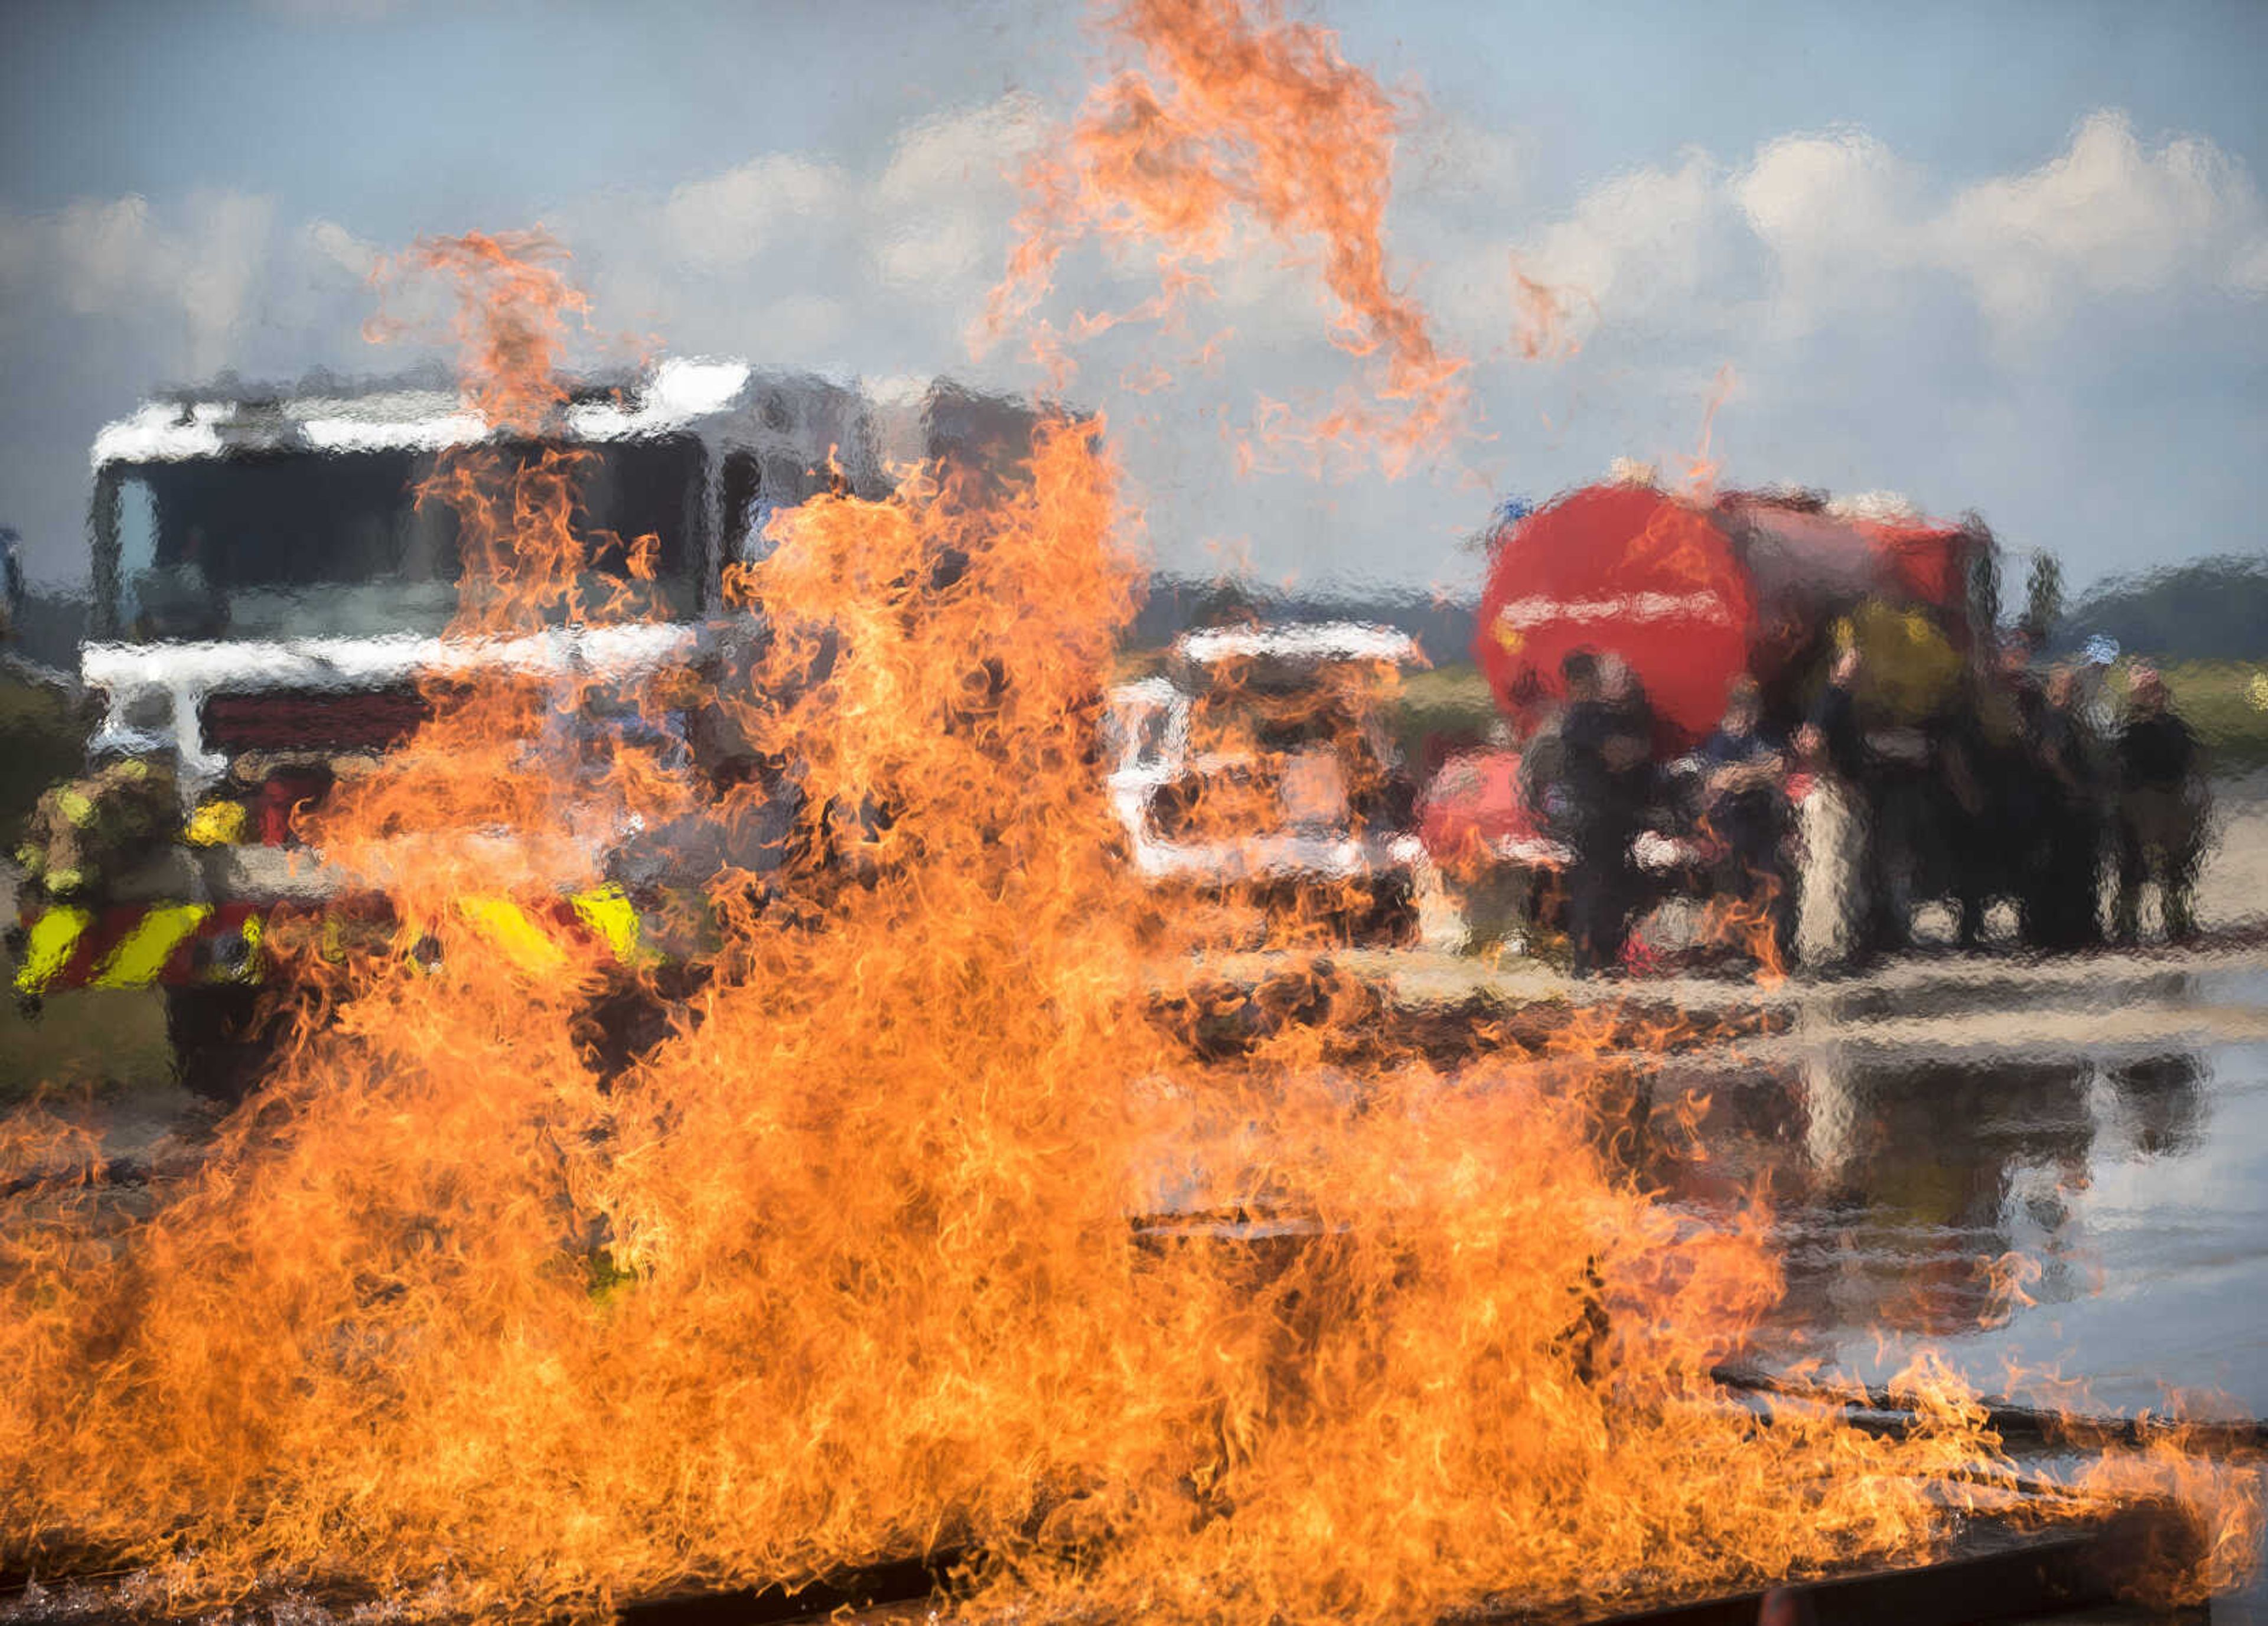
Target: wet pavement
{"x":2091,"y":1136}
{"x":2135,"y":1180}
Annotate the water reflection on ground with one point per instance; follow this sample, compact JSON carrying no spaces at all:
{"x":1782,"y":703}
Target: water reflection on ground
{"x":2100,"y":1217}
{"x":2103,"y":1218}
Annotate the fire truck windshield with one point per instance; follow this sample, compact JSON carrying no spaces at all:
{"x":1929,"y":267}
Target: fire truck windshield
{"x":297,"y":545}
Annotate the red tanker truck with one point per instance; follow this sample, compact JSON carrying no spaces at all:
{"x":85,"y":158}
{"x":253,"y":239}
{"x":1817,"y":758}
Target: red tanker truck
{"x":1689,"y":593}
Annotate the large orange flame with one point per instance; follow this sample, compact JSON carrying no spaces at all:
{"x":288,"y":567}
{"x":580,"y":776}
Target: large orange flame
{"x":492,"y":760}
{"x":1234,"y":114}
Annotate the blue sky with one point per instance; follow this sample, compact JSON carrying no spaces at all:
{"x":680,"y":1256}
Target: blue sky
{"x":2011,"y":258}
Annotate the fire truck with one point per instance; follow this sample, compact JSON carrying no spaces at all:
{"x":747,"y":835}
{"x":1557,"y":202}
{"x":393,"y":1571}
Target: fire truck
{"x":1689,"y":594}
{"x":1688,"y":591}
{"x":1260,"y":763}
{"x":269,"y":601}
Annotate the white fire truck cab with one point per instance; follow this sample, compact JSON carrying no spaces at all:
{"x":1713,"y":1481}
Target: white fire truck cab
{"x":270,"y":599}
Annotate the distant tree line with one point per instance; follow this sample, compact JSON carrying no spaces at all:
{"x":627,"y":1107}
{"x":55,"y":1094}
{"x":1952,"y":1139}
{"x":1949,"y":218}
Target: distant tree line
{"x":2213,"y":609}
{"x":1444,"y":628}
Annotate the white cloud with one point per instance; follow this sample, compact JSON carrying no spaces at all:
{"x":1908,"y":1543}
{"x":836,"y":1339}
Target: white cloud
{"x":2248,"y":271}
{"x":937,"y":215}
{"x":341,"y":247}
{"x":932,"y":216}
{"x":225,"y":261}
{"x":771,"y":255}
{"x":967,"y":154}
{"x":107,"y":253}
{"x":725,"y":221}
{"x":191,"y":276}
{"x":1846,"y":226}
{"x":944,"y":248}
{"x":1837,"y":213}
{"x":1642,"y":245}
{"x":2106,"y":218}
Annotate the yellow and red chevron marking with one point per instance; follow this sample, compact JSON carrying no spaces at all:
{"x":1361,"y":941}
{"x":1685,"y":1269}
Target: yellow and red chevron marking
{"x":545,"y":941}
{"x":133,"y":945}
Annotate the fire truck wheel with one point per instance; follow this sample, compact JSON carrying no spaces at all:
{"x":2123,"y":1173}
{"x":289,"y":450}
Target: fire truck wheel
{"x":222,"y":1041}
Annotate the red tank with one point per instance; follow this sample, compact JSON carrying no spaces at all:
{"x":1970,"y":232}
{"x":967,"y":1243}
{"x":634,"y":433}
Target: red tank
{"x":1689,"y":593}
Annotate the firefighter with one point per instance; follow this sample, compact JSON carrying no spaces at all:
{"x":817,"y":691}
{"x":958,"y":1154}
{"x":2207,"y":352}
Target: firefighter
{"x":2030,"y":806}
{"x":1990,"y":780}
{"x":1830,"y":739}
{"x":87,"y":832}
{"x":1608,"y":762}
{"x":1744,"y":801}
{"x":1968,"y":791}
{"x":1543,"y":787}
{"x":2162,"y":810}
{"x":1882,"y":723}
{"x":2063,"y":908}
